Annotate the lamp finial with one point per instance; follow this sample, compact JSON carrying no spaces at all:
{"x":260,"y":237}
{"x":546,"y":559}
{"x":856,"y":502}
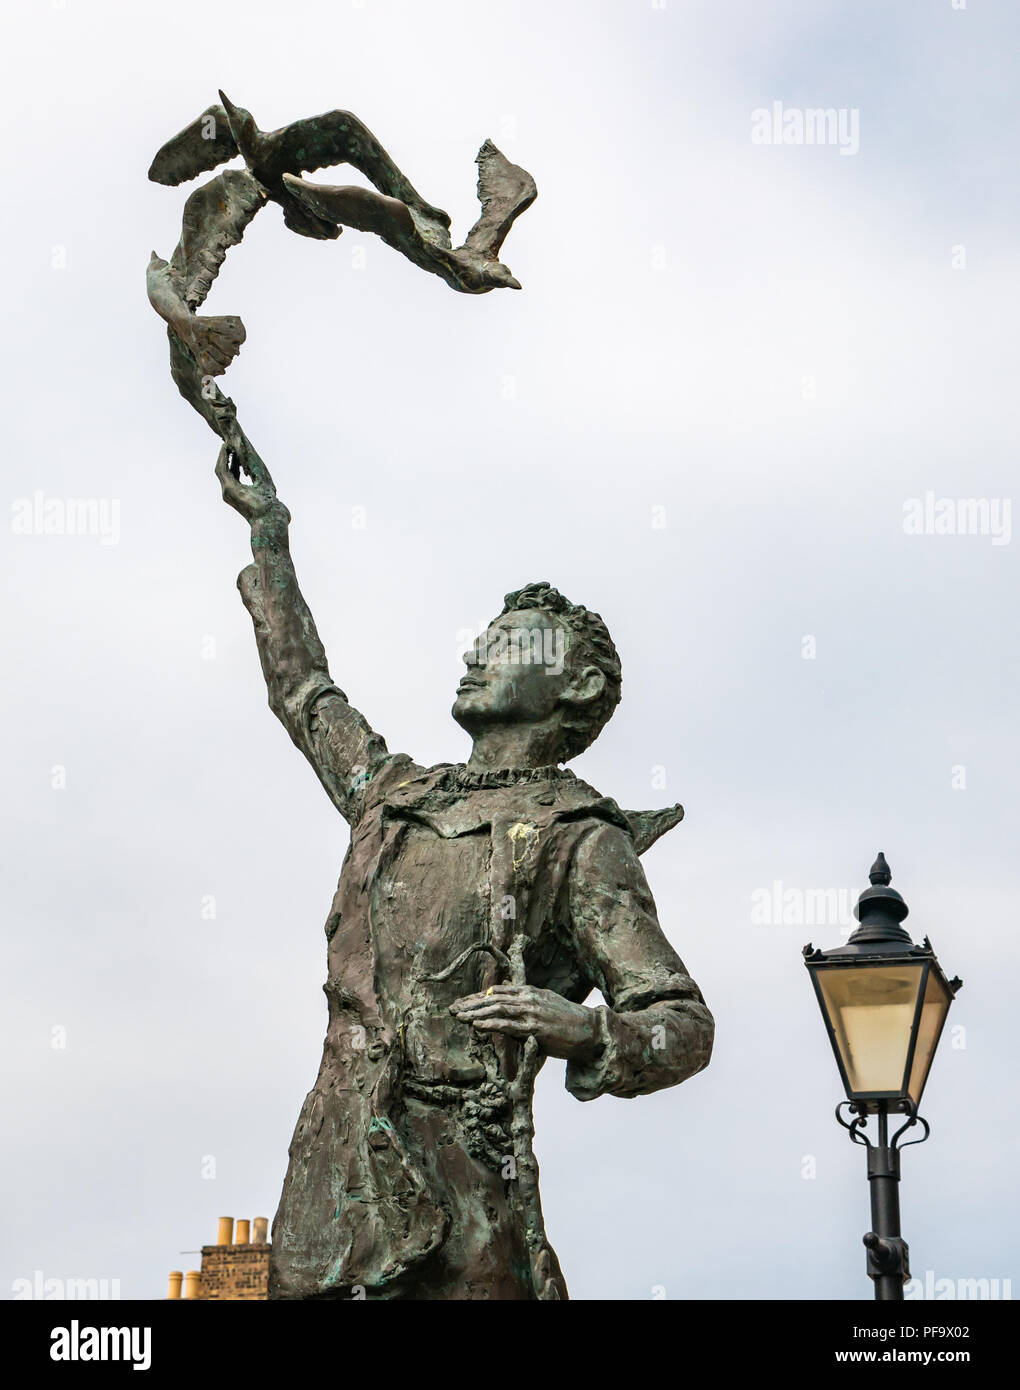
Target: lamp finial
{"x":880,"y":872}
{"x":880,"y":909}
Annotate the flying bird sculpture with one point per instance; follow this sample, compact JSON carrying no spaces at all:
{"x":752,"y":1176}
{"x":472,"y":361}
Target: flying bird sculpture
{"x":217,"y":214}
{"x":504,"y":191}
{"x":215,"y":217}
{"x":225,"y":130}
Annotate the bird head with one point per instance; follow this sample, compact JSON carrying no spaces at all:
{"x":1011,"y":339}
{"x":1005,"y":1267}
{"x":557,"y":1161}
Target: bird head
{"x":500,"y":277}
{"x":160,"y":288}
{"x":478,"y":276}
{"x":242,"y":127}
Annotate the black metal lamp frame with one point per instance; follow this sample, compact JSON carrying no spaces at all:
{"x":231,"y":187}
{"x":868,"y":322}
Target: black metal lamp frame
{"x":875,"y":1101}
{"x":879,"y":941}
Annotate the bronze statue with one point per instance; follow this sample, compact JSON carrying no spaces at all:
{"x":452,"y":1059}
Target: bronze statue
{"x":479,"y":904}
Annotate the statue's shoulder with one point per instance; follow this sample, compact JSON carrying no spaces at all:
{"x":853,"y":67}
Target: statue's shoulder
{"x":398,"y":776}
{"x":643,"y":827}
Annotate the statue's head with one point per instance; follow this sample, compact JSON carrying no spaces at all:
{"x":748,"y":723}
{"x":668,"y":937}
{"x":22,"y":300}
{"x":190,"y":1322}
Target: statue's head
{"x":546,"y":663}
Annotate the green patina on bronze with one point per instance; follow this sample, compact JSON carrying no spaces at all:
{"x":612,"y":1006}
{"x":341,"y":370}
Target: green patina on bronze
{"x":479,"y":904}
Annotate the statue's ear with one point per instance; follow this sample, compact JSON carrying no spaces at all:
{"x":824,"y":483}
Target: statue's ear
{"x":586,"y":686}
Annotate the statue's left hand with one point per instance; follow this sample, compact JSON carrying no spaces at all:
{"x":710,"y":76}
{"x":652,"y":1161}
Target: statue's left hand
{"x":560,"y":1028}
{"x":252,"y":500}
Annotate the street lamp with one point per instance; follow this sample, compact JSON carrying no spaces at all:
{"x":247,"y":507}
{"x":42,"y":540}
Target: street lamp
{"x":884,"y":1002}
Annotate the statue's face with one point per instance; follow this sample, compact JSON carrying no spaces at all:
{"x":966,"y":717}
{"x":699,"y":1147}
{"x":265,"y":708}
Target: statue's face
{"x":516,"y":672}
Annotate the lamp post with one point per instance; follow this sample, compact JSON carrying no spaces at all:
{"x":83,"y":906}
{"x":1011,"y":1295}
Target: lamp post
{"x":884,"y":1002}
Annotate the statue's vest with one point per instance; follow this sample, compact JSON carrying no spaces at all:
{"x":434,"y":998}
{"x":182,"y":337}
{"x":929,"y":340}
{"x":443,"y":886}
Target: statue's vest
{"x":356,"y":1210}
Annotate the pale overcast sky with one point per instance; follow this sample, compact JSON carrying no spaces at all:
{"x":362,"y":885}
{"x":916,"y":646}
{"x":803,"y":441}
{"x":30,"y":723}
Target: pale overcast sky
{"x":733,"y":370}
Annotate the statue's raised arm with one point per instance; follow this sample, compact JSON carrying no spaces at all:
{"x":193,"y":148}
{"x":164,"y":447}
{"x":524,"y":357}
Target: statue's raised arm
{"x":344,"y":751}
{"x":338,"y":742}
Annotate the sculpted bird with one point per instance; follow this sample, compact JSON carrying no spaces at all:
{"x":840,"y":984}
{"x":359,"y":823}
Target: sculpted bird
{"x":338,"y":137}
{"x":216,"y":215}
{"x":215,"y":218}
{"x":504,"y":191}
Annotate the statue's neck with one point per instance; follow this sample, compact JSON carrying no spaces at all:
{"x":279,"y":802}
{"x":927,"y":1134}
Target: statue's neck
{"x":516,"y":746}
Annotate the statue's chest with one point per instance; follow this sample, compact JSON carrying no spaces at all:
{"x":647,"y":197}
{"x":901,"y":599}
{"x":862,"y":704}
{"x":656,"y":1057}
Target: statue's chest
{"x":429,"y":902}
{"x":425,"y":881}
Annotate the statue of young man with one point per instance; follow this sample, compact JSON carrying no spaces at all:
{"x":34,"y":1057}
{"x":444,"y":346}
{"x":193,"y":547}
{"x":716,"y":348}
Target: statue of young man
{"x":478,"y":907}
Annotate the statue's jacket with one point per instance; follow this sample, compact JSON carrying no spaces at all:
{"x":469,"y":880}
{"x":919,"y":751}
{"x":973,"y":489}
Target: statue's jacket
{"x":412,"y":1152}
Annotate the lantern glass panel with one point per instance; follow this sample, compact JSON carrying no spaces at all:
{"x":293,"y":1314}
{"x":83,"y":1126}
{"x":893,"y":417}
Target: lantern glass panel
{"x":933,"y":1015}
{"x":871,"y":1010}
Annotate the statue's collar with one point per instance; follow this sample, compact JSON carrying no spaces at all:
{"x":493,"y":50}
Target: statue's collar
{"x":463,"y":778}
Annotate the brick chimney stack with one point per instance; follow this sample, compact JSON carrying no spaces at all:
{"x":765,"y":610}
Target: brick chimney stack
{"x":233,"y":1268}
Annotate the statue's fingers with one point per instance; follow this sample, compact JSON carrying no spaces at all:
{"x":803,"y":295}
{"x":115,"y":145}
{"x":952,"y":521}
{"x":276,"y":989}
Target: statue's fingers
{"x":516,"y":1027}
{"x":233,"y":490}
{"x":223,"y":466}
{"x":483,"y":1001}
{"x":227,"y":467}
{"x":494,"y":991}
{"x":504,"y":1009}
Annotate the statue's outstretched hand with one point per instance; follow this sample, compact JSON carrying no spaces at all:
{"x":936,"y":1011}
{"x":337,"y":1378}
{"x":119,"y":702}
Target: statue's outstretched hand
{"x":252,"y":500}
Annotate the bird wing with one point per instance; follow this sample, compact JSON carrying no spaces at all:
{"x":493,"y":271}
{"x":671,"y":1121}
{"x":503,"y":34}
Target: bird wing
{"x":199,"y":147}
{"x":352,"y":206}
{"x":215,"y":218}
{"x":505,"y":190}
{"x":368,"y":211}
{"x":338,"y":137}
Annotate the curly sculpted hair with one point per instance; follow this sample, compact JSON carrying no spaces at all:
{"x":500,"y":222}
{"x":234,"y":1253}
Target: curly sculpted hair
{"x":589,"y":645}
